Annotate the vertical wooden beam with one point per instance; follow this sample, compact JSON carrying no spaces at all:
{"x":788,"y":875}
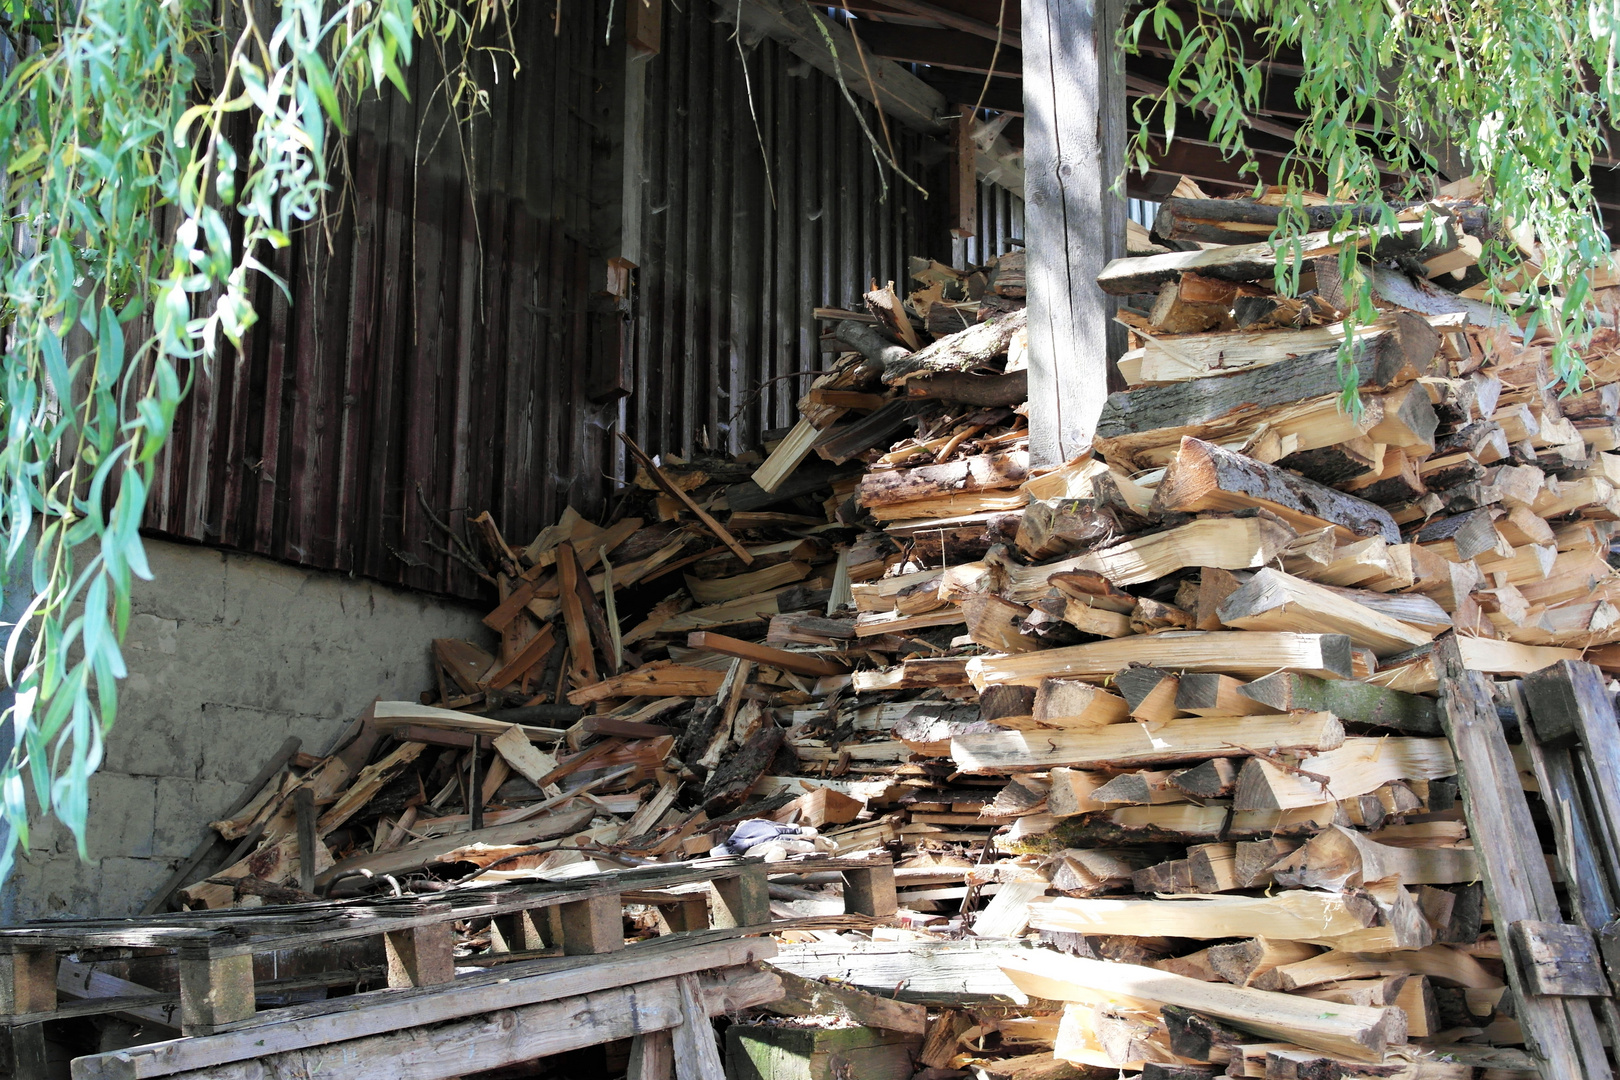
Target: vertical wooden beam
{"x":644,"y":25}
{"x":744,"y":900}
{"x":27,"y":981}
{"x":304,"y":808}
{"x":216,"y":987}
{"x":964,"y":177}
{"x":871,"y":892}
{"x":593,"y":925}
{"x":652,"y":1054}
{"x":422,"y":955}
{"x":1074,"y":216}
{"x":696,"y":1050}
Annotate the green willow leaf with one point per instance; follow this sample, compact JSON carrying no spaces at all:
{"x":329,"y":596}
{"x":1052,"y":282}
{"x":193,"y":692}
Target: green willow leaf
{"x":121,"y":196}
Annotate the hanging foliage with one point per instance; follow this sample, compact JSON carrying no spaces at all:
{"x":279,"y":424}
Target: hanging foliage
{"x":134,"y":226}
{"x":1519,"y":90}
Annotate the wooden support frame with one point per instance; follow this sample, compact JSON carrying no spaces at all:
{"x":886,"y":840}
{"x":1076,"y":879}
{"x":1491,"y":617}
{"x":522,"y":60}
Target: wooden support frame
{"x":421,"y":955}
{"x":592,"y":925}
{"x":27,"y":981}
{"x":216,"y":987}
{"x":1074,"y":152}
{"x":303,"y":1032}
{"x":871,"y":891}
{"x":744,"y":900}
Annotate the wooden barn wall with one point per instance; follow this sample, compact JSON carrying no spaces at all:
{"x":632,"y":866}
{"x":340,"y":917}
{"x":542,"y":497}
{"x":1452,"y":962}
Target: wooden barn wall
{"x":434,"y":339}
{"x":438,"y":338}
{"x":748,"y":230}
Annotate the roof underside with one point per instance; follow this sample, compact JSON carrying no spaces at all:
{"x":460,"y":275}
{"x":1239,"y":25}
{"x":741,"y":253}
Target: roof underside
{"x":953,"y":44}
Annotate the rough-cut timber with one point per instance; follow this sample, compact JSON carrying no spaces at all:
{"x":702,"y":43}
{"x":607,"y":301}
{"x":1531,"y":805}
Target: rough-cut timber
{"x":1349,"y":700}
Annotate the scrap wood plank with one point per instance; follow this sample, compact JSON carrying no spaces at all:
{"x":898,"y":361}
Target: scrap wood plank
{"x":660,"y":678}
{"x":1563,"y":1032}
{"x":391,"y":1038}
{"x":767,"y":656}
{"x":426,"y":852}
{"x":429,"y":716}
{"x":811,"y":997}
{"x":657,"y":476}
{"x":534,"y":650}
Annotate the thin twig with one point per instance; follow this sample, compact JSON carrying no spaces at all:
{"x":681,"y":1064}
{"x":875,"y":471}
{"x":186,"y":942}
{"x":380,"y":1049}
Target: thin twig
{"x":995,"y":54}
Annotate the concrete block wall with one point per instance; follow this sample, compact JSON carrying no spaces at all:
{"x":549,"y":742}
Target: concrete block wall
{"x":228,"y":655}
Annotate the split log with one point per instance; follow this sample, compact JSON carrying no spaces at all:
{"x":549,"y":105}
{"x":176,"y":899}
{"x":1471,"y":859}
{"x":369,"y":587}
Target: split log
{"x":1358,"y":767}
{"x":1228,"y":543}
{"x":1136,"y":421}
{"x":1062,"y":525}
{"x":1207,"y":477}
{"x":1235,"y":652}
{"x":1251,"y":262}
{"x":1243,"y":221}
{"x":971,"y":348}
{"x":985,"y":391}
{"x":1208,"y":694}
{"x":1273,"y":600}
{"x":1350,"y":921}
{"x":1337,"y":858}
{"x":1349,"y":700}
{"x":1071,"y":703}
{"x":985,"y":472}
{"x":1357,"y":1032}
{"x":1129,"y":745}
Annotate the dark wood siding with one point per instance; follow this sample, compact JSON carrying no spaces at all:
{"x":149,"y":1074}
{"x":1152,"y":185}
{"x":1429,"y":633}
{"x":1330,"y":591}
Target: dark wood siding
{"x":428,"y":347}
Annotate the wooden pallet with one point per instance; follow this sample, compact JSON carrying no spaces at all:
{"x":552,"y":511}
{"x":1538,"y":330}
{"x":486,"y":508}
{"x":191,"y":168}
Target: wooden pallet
{"x":582,"y":916}
{"x":515,"y":1013}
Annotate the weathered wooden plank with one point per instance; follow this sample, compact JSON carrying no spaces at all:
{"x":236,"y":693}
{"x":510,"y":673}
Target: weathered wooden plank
{"x":1564,"y":1035}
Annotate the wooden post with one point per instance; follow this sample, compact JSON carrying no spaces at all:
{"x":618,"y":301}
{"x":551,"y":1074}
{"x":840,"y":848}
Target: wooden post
{"x":652,"y":1055}
{"x":593,"y":925}
{"x":964,"y":177}
{"x":689,"y":914}
{"x":870,"y":891}
{"x":216,"y":987}
{"x":744,"y":900}
{"x":304,"y":808}
{"x":697,"y":1054}
{"x":22,"y":1051}
{"x":27,"y":981}
{"x":422,"y":955}
{"x":1074,"y":216}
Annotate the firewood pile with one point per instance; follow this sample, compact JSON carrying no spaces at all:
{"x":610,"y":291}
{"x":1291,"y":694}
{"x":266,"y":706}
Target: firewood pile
{"x":1182,"y":708}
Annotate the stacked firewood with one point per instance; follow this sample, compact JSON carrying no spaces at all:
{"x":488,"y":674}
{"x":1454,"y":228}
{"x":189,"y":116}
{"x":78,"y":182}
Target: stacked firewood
{"x":1171,"y":707}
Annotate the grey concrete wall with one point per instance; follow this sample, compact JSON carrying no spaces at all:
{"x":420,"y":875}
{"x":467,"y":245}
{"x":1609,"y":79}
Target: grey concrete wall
{"x":228,"y":655}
